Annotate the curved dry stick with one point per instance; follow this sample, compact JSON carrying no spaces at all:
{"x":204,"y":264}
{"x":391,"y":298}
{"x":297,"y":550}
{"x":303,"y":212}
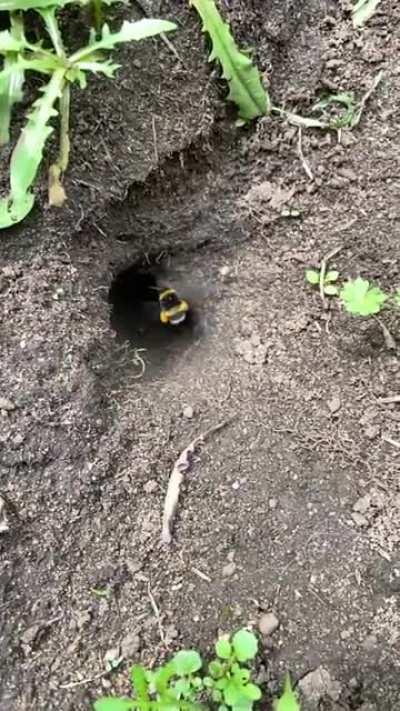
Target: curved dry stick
{"x":179,"y":470}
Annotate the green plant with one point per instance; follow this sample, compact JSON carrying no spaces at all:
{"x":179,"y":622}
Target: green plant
{"x":361,"y":299}
{"x":313,"y":276}
{"x":172,"y":687}
{"x":182,"y":685}
{"x":245,"y":87}
{"x":288,"y":701}
{"x":229,"y":680}
{"x":62,"y":70}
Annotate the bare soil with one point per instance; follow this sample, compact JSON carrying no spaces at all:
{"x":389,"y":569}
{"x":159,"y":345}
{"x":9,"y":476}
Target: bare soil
{"x":294,"y":506}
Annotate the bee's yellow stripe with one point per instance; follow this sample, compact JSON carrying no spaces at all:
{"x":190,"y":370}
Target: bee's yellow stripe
{"x":167,"y":292}
{"x":167,"y":314}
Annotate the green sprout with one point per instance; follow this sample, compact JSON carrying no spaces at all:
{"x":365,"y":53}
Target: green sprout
{"x":313,"y":276}
{"x":288,"y":701}
{"x":229,"y":680}
{"x":61,"y":70}
{"x":361,"y":299}
{"x":245,"y":87}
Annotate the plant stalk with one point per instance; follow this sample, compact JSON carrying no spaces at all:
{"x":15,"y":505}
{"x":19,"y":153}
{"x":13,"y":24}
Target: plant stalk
{"x":49,"y":16}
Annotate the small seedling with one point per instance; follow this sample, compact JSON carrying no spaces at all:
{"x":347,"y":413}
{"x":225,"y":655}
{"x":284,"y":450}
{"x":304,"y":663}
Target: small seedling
{"x":288,"y":701}
{"x":361,"y":299}
{"x":245,"y":87}
{"x":313,"y":276}
{"x":229,"y":679}
{"x":173,"y":687}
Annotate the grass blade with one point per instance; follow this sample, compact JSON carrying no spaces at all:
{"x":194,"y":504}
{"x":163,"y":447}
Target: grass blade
{"x":245,"y":88}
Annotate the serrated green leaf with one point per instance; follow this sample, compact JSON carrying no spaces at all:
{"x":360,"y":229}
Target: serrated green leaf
{"x":245,"y":645}
{"x":130,"y":31}
{"x":331,"y":290}
{"x":112,"y":703}
{"x":245,"y":87}
{"x":187,"y":661}
{"x":139,"y":682}
{"x":14,"y":5}
{"x":106,"y":67}
{"x":28,"y":152}
{"x":312,"y":276}
{"x":361,"y":299}
{"x":223,"y":648}
{"x":363,"y":10}
{"x":288,"y":701}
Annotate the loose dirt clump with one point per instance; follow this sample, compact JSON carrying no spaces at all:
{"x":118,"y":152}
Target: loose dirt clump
{"x":292,"y":509}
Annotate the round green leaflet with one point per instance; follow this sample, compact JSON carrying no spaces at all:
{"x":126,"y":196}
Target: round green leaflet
{"x":245,"y":645}
{"x":187,"y":661}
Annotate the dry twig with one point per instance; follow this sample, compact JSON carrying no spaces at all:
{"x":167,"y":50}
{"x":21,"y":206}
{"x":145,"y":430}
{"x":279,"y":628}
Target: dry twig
{"x":179,"y":470}
{"x":303,"y":161}
{"x":156,"y":613}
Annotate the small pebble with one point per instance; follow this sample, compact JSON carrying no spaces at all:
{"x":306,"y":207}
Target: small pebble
{"x":228,"y":570}
{"x":130,"y":645}
{"x":6,"y":404}
{"x":268,"y":623}
{"x":225,"y":271}
{"x":334,"y":405}
{"x":150,"y":486}
{"x":359,"y":519}
{"x":273,"y":503}
{"x":188,"y":412}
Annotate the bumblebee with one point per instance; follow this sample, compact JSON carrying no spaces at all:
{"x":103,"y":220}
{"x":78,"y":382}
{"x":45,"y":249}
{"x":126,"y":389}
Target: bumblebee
{"x":173,"y":310}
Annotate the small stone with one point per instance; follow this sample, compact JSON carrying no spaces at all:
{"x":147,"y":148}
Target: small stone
{"x":29,"y":636}
{"x":268,"y":624}
{"x":362,"y":504}
{"x":150,"y":486}
{"x":273,"y":503}
{"x":372,"y":431}
{"x":317,"y":684}
{"x":225,"y":271}
{"x":188,"y":412}
{"x":334,"y":404}
{"x":137,"y":63}
{"x":130,"y":645}
{"x":255,"y":339}
{"x":17,"y":440}
{"x":236,"y":485}
{"x":359,"y":519}
{"x":228,"y":570}
{"x":345,"y":634}
{"x":6,"y":404}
